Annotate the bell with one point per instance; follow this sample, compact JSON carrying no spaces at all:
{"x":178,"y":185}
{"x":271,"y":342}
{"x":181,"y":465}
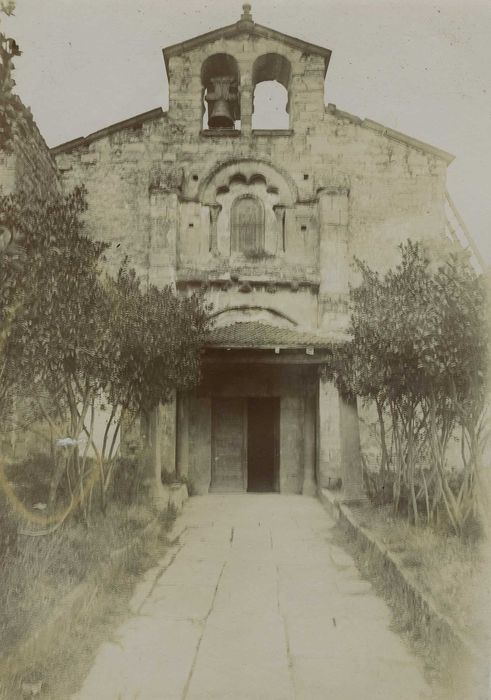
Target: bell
{"x":221,"y":116}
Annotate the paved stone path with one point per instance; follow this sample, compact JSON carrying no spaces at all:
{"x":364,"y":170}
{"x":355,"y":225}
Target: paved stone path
{"x":256,"y":601}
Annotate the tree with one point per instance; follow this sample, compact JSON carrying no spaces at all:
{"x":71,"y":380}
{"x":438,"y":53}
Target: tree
{"x":11,"y":108}
{"x":59,"y":335}
{"x":81,"y":338}
{"x":419,"y":352}
{"x":156,"y":340}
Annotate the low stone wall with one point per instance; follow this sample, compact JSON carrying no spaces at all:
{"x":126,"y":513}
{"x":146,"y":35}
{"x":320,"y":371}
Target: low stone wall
{"x":464,"y":665}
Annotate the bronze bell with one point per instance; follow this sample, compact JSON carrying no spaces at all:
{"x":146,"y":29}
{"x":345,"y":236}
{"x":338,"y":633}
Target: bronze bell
{"x":220,"y":115}
{"x":222,"y":103}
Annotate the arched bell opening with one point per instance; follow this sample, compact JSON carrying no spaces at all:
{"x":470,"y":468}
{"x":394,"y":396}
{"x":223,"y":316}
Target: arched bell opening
{"x":221,"y":104}
{"x":271,"y":80}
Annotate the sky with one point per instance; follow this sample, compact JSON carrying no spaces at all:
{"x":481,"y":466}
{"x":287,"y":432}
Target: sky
{"x":421,"y":67}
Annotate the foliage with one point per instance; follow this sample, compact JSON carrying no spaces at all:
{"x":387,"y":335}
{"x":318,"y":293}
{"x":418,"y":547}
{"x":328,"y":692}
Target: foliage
{"x":419,"y":353}
{"x":11,"y":109}
{"x":157,"y":336}
{"x":156,"y":339}
{"x":80,"y":339}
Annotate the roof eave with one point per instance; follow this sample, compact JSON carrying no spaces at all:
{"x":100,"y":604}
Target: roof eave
{"x":391,"y":133}
{"x":138,"y":119}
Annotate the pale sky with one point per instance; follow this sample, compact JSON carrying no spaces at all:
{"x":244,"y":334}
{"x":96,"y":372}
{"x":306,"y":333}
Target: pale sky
{"x":423,"y":68}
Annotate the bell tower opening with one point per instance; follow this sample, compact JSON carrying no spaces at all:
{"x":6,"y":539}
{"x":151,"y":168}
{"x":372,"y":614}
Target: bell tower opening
{"x":221,"y":104}
{"x":271,"y":77}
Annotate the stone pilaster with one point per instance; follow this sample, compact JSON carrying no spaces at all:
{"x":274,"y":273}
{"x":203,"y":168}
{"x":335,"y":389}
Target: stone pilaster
{"x":351,"y":472}
{"x":246,"y":107}
{"x":309,"y":485}
{"x":182,"y":457}
{"x":167,"y":435}
{"x":333,"y":253}
{"x":162,"y":243}
{"x":328,"y":436}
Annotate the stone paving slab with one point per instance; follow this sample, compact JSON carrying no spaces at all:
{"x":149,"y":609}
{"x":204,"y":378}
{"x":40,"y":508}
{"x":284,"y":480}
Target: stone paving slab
{"x":257,"y":602}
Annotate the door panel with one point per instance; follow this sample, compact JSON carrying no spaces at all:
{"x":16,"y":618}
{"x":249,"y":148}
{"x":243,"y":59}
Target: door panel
{"x":262,"y":442}
{"x":229,"y":449}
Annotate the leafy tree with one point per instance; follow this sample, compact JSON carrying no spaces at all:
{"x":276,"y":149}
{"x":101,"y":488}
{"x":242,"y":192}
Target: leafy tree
{"x":453,"y":358}
{"x":81,"y":338}
{"x":156,"y":339}
{"x":419,"y":352}
{"x":59,"y":334}
{"x":11,"y":108}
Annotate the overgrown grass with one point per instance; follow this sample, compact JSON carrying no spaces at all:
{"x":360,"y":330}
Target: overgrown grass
{"x":39,"y":571}
{"x":451,"y":569}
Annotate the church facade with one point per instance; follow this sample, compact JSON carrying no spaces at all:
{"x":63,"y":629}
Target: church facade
{"x":267,"y":221}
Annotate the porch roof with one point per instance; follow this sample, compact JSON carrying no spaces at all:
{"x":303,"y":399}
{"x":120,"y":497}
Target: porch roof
{"x":261,"y":336}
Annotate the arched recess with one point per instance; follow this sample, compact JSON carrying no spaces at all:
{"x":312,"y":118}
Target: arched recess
{"x":248,"y":312}
{"x":271,"y":77}
{"x":250,"y":170}
{"x":220,"y":79}
{"x":247,"y":225}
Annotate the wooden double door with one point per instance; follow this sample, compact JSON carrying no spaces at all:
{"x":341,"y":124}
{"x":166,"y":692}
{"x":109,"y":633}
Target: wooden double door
{"x":245,"y":444}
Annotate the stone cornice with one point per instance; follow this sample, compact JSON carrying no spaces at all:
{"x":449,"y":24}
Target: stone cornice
{"x":391,"y":133}
{"x":111,"y":129}
{"x":240,"y":28}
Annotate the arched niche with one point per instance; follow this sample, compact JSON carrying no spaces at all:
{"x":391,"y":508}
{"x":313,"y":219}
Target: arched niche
{"x":271,"y":77}
{"x":220,"y":79}
{"x":247,"y":224}
{"x":247,"y":200}
{"x":248,"y":171}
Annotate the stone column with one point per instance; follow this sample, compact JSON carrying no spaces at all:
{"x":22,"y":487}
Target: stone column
{"x":150,"y":457}
{"x":328,"y":436}
{"x":132,"y":440}
{"x":351,"y":472}
{"x":279,"y":210}
{"x":167,"y":435}
{"x":246,"y":107}
{"x":159,"y":453}
{"x":333,"y":257}
{"x":215,"y":210}
{"x":309,"y":486}
{"x":182,"y":457}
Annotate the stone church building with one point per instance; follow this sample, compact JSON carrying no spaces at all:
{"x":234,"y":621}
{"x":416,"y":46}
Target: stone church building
{"x":267,"y":221}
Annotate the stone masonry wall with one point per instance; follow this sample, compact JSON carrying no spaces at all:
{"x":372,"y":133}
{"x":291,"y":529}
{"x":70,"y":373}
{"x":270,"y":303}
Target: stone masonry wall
{"x":148,"y":184}
{"x":30,"y":167}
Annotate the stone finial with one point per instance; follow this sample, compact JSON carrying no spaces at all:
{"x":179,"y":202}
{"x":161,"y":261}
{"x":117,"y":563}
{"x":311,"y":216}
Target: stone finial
{"x":246,"y":15}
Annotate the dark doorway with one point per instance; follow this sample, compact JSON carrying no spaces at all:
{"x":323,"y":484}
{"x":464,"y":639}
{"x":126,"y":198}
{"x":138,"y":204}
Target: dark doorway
{"x":263,"y":426}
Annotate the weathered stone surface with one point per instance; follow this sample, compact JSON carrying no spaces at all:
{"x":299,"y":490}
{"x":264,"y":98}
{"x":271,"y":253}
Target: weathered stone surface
{"x":166,"y":192}
{"x":253,"y":607}
{"x":30,"y":167}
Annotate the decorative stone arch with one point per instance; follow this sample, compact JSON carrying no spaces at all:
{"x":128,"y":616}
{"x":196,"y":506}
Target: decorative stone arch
{"x":250,"y":171}
{"x":252,"y":177}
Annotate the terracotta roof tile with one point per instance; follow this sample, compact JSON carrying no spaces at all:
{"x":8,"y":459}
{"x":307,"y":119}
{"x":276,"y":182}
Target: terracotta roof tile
{"x":254,"y":334}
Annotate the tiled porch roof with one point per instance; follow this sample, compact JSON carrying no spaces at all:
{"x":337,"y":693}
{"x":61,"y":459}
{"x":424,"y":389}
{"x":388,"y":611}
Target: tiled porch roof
{"x":255,"y":334}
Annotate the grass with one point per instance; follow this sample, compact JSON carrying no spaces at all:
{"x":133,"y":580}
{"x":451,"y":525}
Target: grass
{"x":38,"y":572}
{"x":450,"y":569}
{"x":454,"y":572}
